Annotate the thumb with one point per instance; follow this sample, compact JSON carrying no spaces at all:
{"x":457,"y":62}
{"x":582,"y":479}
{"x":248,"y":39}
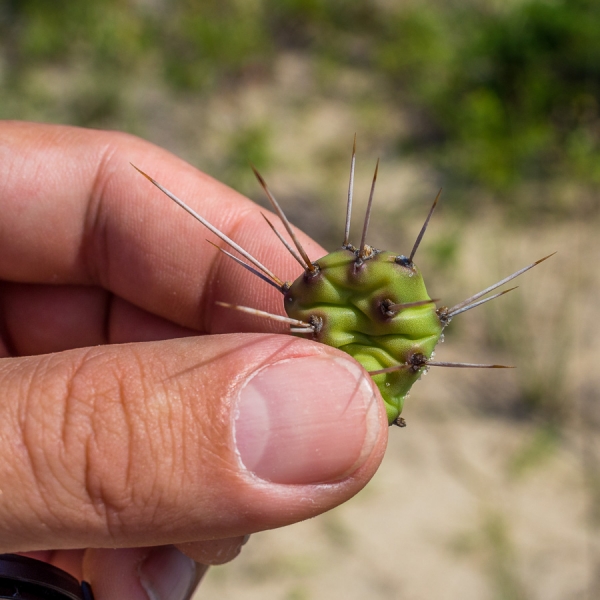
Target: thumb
{"x":181,"y":440}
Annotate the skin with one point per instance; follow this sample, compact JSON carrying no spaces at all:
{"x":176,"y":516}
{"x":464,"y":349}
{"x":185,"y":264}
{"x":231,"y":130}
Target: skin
{"x":119,"y":375}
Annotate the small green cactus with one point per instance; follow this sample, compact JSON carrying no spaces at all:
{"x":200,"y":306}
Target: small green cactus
{"x":369,"y":303}
{"x":376,"y":309}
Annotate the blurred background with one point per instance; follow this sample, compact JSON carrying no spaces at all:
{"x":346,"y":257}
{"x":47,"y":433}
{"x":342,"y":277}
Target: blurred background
{"x":493,"y":489}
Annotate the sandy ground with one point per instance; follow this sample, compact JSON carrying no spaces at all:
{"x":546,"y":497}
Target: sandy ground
{"x":445,"y":518}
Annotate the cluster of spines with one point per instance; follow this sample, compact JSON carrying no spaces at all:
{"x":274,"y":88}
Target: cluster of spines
{"x":416,"y":362}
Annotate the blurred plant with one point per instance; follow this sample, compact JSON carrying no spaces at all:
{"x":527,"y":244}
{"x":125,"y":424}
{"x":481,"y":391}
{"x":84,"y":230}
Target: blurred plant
{"x":250,"y":145}
{"x":537,"y":450}
{"x":66,"y":60}
{"x":207,"y":42}
{"x":533,"y":334}
{"x":496,"y":97}
{"x":497,"y":94}
{"x":491,"y":542}
{"x":521,"y":101}
{"x":501,"y":563}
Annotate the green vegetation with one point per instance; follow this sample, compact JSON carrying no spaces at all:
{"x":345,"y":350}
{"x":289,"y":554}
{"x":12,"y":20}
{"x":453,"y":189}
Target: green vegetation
{"x":498,"y":94}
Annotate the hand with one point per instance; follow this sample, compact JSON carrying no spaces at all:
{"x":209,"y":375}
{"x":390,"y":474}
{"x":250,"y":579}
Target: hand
{"x":122,"y":434}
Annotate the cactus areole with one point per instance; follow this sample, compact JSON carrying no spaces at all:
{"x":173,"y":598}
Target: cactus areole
{"x":348,"y":299}
{"x":369,"y":303}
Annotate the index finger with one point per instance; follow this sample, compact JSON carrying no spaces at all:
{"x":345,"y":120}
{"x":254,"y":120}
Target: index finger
{"x":75,"y":212}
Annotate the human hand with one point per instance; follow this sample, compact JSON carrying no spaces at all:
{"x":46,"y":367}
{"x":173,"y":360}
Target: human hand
{"x":120,"y":441}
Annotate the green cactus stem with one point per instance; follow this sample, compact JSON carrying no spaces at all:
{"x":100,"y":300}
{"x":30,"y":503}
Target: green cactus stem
{"x":350,"y":300}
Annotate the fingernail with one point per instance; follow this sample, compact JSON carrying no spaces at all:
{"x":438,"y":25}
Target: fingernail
{"x":167,"y":574}
{"x":306,"y":420}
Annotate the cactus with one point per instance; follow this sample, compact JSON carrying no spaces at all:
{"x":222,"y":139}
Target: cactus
{"x":369,"y":303}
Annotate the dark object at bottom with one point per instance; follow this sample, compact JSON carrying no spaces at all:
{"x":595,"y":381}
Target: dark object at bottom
{"x":29,"y":579}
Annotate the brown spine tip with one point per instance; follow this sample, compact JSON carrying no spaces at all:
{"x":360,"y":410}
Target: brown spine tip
{"x":144,"y":174}
{"x":308,"y":264}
